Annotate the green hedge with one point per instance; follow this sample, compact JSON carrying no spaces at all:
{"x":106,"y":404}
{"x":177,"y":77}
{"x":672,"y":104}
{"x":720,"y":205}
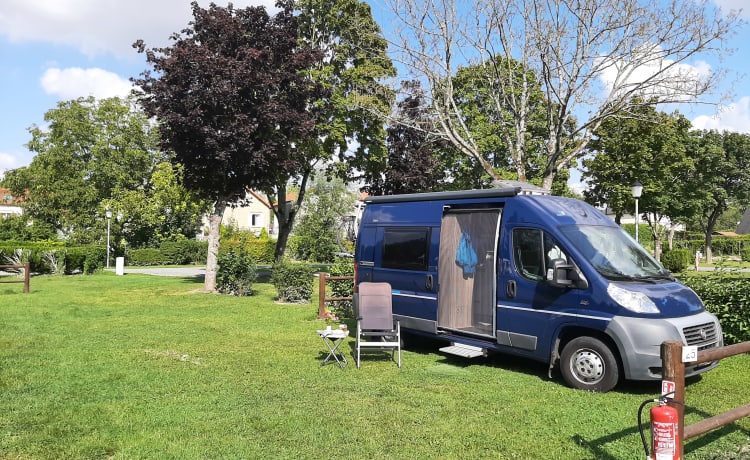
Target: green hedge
{"x":260,"y":250}
{"x":53,"y":257}
{"x":729,"y":299}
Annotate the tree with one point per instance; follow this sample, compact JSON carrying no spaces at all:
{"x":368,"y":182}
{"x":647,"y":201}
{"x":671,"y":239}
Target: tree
{"x":654,"y":153}
{"x":234,"y":98}
{"x":91,"y":151}
{"x":349,"y":127}
{"x":592,"y":58}
{"x":163,"y":210}
{"x":721,"y":178}
{"x":413,"y":161}
{"x":328,"y":204}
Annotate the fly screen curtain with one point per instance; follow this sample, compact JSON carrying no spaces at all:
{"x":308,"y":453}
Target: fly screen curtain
{"x":467,"y":270}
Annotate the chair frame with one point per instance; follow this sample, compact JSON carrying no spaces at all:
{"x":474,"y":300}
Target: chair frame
{"x":380,"y":338}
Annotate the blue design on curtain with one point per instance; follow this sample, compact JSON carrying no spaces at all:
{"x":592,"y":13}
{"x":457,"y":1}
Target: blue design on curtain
{"x":466,"y":257}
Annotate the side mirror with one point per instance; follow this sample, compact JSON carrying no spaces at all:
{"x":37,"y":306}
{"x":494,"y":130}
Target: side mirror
{"x":564,"y":275}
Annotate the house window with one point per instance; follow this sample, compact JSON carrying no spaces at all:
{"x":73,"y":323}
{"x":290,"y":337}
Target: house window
{"x":256,"y":220}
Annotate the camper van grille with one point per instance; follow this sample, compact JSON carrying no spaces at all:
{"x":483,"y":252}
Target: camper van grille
{"x":702,"y":335}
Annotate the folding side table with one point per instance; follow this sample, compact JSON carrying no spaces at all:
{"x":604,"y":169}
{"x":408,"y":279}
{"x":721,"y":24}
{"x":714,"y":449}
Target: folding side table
{"x":333,"y":338}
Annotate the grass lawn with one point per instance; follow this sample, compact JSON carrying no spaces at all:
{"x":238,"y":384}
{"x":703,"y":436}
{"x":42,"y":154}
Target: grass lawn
{"x":142,"y":366}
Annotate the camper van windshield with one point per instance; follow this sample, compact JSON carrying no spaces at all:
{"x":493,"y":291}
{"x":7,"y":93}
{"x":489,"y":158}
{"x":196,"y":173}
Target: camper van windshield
{"x":614,"y":254}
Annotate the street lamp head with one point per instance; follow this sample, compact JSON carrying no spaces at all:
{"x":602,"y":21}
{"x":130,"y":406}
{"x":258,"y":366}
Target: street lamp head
{"x":108,"y":212}
{"x":636,"y":189}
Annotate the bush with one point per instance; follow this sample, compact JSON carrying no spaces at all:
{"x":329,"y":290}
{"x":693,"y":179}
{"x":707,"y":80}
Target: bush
{"x":727,"y":298}
{"x":96,"y":259}
{"x":342,"y":288}
{"x":236,"y":273}
{"x":75,"y":258}
{"x":293,"y":281}
{"x":676,"y":260}
{"x":745,"y":255}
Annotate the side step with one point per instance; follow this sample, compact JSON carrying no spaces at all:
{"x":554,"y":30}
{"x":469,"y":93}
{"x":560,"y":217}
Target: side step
{"x":466,"y":351}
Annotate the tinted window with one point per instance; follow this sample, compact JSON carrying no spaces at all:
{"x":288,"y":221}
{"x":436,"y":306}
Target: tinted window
{"x":406,"y":248}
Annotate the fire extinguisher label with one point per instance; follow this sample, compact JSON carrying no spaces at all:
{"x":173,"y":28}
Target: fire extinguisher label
{"x":664,"y":435}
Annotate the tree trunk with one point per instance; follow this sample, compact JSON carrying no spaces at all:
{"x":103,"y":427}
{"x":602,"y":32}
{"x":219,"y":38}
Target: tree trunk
{"x":212,"y":258}
{"x":710,"y":226}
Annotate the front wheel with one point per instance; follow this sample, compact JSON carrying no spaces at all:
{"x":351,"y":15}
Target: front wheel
{"x":587,"y":363}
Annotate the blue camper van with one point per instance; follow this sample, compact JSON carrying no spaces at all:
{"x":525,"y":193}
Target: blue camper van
{"x":547,"y":278}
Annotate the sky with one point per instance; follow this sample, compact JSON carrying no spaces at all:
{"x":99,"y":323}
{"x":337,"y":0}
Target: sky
{"x":58,"y":50}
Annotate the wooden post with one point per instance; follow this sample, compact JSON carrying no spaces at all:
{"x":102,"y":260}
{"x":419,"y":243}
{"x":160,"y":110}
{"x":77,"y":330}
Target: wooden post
{"x":322,"y":295}
{"x":674,"y":371}
{"x":26,"y":277}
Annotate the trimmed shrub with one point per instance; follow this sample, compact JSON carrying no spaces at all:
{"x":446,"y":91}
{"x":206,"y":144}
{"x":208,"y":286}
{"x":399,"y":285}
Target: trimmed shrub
{"x":75,"y":258}
{"x":293,"y":281}
{"x":236,"y":273}
{"x":729,"y":299}
{"x":676,"y":260}
{"x":96,"y":259}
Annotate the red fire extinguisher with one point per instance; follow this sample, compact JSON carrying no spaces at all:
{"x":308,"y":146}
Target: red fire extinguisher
{"x":664,"y":424}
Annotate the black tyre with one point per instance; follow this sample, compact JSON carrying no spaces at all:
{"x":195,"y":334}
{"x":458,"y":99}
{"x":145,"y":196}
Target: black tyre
{"x":588,"y":364}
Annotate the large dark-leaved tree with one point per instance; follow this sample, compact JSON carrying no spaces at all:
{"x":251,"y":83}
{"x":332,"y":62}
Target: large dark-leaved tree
{"x":233,"y":100}
{"x":413,"y":163}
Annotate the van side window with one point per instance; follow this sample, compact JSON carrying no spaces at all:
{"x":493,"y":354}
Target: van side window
{"x":533,"y":250}
{"x":406,"y":248}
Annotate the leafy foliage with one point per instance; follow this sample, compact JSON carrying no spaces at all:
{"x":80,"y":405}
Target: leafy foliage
{"x":676,"y":260}
{"x":316,"y":235}
{"x":293,"y":281}
{"x":413,"y":162}
{"x":727,"y":298}
{"x":234,"y":98}
{"x":236,"y":273}
{"x":342,"y":288}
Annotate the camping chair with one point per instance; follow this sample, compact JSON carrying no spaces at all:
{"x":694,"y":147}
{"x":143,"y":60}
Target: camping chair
{"x":375,"y":326}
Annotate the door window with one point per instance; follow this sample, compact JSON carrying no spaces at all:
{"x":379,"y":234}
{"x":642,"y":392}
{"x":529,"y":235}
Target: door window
{"x":533,"y":251}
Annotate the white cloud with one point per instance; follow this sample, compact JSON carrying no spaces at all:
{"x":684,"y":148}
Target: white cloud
{"x":101,"y":26}
{"x":675,"y":79}
{"x":7,"y":162}
{"x":75,"y":82}
{"x":735,"y":117}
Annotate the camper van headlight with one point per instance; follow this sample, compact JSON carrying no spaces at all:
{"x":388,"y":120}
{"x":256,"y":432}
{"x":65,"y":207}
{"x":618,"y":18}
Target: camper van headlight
{"x":633,"y":301}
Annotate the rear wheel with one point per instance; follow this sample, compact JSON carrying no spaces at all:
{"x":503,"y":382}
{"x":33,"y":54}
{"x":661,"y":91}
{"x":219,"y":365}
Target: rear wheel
{"x":587,"y":363}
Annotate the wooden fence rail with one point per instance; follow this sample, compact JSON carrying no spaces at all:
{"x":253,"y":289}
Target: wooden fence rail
{"x":674,"y":371}
{"x":26,"y":275}
{"x":322,"y":292}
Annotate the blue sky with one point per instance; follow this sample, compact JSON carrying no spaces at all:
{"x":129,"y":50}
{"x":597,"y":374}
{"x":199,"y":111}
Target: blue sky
{"x":56,"y":50}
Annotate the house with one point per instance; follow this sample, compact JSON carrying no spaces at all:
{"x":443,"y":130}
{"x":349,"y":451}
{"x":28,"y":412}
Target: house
{"x":254,"y":214}
{"x":9,"y":205}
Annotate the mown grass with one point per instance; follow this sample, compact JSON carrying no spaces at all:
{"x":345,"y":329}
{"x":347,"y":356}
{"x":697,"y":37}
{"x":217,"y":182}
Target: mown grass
{"x":141,"y":366}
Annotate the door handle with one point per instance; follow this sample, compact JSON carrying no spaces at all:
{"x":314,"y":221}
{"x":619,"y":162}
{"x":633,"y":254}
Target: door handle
{"x":510,"y":289}
{"x":428,"y":284}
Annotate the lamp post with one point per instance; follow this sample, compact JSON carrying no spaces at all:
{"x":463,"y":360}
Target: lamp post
{"x":108,"y":214}
{"x":637,"y":190}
